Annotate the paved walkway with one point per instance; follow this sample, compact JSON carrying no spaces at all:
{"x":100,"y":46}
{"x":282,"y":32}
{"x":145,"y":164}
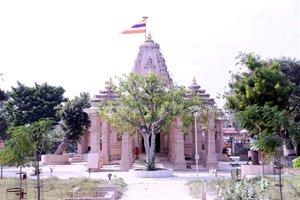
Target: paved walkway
{"x":138,"y":188}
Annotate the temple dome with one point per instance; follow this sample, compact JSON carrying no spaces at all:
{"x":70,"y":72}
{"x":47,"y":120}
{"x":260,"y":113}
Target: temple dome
{"x":150,"y":59}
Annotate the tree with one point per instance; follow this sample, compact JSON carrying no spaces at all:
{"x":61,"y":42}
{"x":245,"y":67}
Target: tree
{"x":25,"y":147}
{"x":29,"y":104}
{"x":74,"y":121}
{"x":145,"y":104}
{"x":18,"y":150}
{"x":261,"y":89}
{"x":259,"y":96}
{"x":39,"y":135}
{"x":270,"y":145}
{"x":291,"y":70}
{"x":261,"y":83}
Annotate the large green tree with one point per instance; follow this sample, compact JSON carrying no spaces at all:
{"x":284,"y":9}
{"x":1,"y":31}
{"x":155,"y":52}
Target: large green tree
{"x":291,"y":69}
{"x":260,"y":83}
{"x":74,"y":121}
{"x":30,"y":104}
{"x":145,"y":104}
{"x":259,"y":95}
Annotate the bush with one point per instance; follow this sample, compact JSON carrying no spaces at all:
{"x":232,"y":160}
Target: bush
{"x":296,"y":163}
{"x":230,"y":189}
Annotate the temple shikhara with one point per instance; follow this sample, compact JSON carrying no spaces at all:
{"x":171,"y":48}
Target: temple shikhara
{"x":102,"y":145}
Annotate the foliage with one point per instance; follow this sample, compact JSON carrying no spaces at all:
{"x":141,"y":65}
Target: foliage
{"x":296,"y":163}
{"x":18,"y":149}
{"x":261,"y":83}
{"x":40,"y":132}
{"x":229,"y":189}
{"x":270,"y":145}
{"x":291,"y":69}
{"x":3,"y":95}
{"x":3,"y":117}
{"x":262,"y":119}
{"x":29,"y":104}
{"x":254,"y":186}
{"x":25,"y":142}
{"x":146,"y":101}
{"x":260,"y":97}
{"x":4,"y":124}
{"x":74,"y":121}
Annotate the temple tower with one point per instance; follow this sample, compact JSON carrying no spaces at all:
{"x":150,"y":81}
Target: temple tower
{"x":150,"y":59}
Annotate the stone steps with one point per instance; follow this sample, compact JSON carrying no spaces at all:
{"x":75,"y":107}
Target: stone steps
{"x":77,"y":158}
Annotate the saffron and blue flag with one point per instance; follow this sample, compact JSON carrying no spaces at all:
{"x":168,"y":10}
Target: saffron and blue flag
{"x":137,"y":28}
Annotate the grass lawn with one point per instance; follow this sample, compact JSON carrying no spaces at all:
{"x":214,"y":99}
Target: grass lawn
{"x":291,"y":187}
{"x":54,"y":188}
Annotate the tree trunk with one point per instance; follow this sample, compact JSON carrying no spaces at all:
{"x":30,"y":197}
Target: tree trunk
{"x":37,"y":171}
{"x":21,"y":186}
{"x":255,"y":158}
{"x":150,"y":149}
{"x":62,"y":146}
{"x":280,"y":180}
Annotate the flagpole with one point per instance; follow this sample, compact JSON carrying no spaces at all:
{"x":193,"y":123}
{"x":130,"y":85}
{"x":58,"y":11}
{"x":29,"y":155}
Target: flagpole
{"x":145,"y":18}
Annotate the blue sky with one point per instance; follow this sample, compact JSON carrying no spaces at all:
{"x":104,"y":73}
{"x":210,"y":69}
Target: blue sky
{"x":78,"y":45}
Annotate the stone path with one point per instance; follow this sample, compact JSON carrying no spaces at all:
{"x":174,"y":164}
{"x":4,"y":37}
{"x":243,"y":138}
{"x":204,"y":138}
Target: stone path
{"x":157,"y":189}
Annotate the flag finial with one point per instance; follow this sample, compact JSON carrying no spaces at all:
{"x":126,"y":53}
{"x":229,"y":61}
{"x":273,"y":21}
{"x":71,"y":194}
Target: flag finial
{"x":194,"y":80}
{"x":149,"y":36}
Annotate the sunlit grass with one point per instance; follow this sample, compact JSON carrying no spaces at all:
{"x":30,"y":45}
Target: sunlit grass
{"x":54,"y":188}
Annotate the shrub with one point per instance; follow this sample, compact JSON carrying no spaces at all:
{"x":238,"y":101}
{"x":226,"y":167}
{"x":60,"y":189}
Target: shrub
{"x":296,"y":163}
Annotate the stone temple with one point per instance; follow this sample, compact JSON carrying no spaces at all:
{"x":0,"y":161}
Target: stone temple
{"x":101,"y":145}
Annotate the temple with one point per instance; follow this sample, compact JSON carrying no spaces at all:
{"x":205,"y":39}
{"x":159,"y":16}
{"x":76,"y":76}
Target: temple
{"x":102,"y":145}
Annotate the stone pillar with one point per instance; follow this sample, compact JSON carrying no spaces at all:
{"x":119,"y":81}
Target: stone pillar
{"x":79,"y":147}
{"x":94,"y":161}
{"x":105,"y":142}
{"x":211,"y":160}
{"x":179,"y":162}
{"x":126,"y":160}
{"x":221,"y":132}
{"x":161,"y":143}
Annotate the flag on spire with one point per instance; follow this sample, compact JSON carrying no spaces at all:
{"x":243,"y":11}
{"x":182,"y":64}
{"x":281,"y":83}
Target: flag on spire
{"x":137,"y":28}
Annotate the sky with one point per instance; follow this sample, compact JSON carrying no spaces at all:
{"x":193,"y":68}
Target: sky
{"x":78,"y":45}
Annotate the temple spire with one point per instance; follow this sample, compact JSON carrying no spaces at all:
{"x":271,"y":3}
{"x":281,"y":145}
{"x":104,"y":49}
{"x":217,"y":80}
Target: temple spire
{"x":150,"y":59}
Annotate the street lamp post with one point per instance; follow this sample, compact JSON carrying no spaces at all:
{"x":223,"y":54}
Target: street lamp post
{"x":196,"y":143}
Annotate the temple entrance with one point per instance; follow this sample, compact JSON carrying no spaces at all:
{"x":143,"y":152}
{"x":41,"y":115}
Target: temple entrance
{"x":157,"y":143}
